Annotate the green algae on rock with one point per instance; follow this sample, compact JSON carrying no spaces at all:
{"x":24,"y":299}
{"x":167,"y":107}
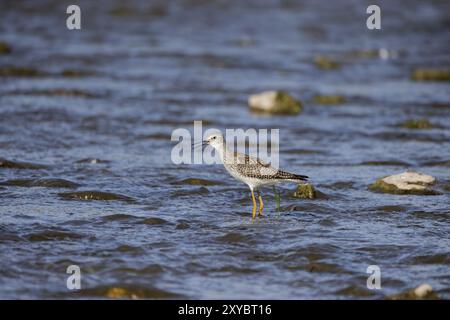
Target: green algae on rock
{"x":326,"y":63}
{"x":4,"y":48}
{"x":365,"y":53}
{"x":446,"y":185}
{"x":305,"y":191}
{"x":430,"y":75}
{"x":328,"y":99}
{"x":417,"y":124}
{"x":274,"y":102}
{"x":412,"y":183}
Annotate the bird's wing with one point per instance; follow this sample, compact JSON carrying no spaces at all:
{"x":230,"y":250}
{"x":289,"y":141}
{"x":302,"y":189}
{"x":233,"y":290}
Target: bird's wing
{"x":252,"y":167}
{"x":242,"y":158}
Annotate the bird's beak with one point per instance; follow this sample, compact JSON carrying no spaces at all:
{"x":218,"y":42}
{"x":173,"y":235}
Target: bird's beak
{"x":201,"y":143}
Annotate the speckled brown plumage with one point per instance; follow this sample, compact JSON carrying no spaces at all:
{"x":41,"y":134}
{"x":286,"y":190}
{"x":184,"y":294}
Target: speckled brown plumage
{"x":251,"y":167}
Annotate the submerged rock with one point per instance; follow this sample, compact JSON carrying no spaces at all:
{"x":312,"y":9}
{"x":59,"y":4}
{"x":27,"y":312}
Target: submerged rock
{"x":446,"y":185}
{"x":365,"y":53}
{"x":4,"y":48}
{"x":138,"y":293}
{"x":329,"y":99}
{"x":405,"y":183}
{"x":119,"y":293}
{"x":119,"y":217}
{"x":430,"y":75}
{"x":385,"y":163}
{"x":13,"y":71}
{"x":94,"y":195}
{"x":182,"y":225}
{"x":57,"y":92}
{"x":53,"y":235}
{"x":122,"y":11}
{"x":417,"y":124}
{"x":444,"y":163}
{"x":18,"y":71}
{"x":153,"y":221}
{"x":305,"y":191}
{"x":55,"y":183}
{"x":75,"y":73}
{"x":92,"y":161}
{"x":196,"y":192}
{"x":381,"y":53}
{"x":274,"y":102}
{"x":125,"y":11}
{"x":244,"y":42}
{"x":155,"y":136}
{"x":45,"y":183}
{"x":127,"y":291}
{"x":4,"y":163}
{"x":424,"y":291}
{"x":66,"y":92}
{"x":198,"y":182}
{"x":233,"y":237}
{"x":326,"y":63}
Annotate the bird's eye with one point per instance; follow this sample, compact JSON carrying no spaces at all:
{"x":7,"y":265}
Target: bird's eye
{"x":214,"y":138}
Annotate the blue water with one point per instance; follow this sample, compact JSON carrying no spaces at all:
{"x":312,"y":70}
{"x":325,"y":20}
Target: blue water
{"x":147,"y":68}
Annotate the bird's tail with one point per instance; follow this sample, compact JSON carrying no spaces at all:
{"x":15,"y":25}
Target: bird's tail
{"x":283,"y":175}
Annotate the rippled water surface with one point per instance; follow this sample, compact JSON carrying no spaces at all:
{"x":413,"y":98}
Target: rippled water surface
{"x":92,"y":112}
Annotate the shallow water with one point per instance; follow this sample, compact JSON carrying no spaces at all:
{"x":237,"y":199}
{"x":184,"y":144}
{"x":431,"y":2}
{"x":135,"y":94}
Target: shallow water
{"x":140,"y":70}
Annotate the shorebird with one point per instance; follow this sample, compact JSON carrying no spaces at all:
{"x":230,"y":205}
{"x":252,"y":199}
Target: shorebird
{"x":250,"y":170}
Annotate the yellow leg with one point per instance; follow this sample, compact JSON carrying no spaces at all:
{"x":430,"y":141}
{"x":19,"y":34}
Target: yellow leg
{"x":261,"y":205}
{"x":254,"y":205}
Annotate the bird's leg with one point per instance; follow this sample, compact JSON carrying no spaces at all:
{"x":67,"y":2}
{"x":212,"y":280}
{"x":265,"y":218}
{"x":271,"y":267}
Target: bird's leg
{"x":261,"y":204}
{"x":254,"y":206}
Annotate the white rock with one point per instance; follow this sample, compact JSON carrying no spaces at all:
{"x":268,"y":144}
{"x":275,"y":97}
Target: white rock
{"x":263,"y":101}
{"x":423,"y":290}
{"x":277,"y":102}
{"x":410,"y":180}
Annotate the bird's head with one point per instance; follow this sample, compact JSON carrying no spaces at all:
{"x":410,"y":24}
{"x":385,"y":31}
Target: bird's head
{"x":214,"y":140}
